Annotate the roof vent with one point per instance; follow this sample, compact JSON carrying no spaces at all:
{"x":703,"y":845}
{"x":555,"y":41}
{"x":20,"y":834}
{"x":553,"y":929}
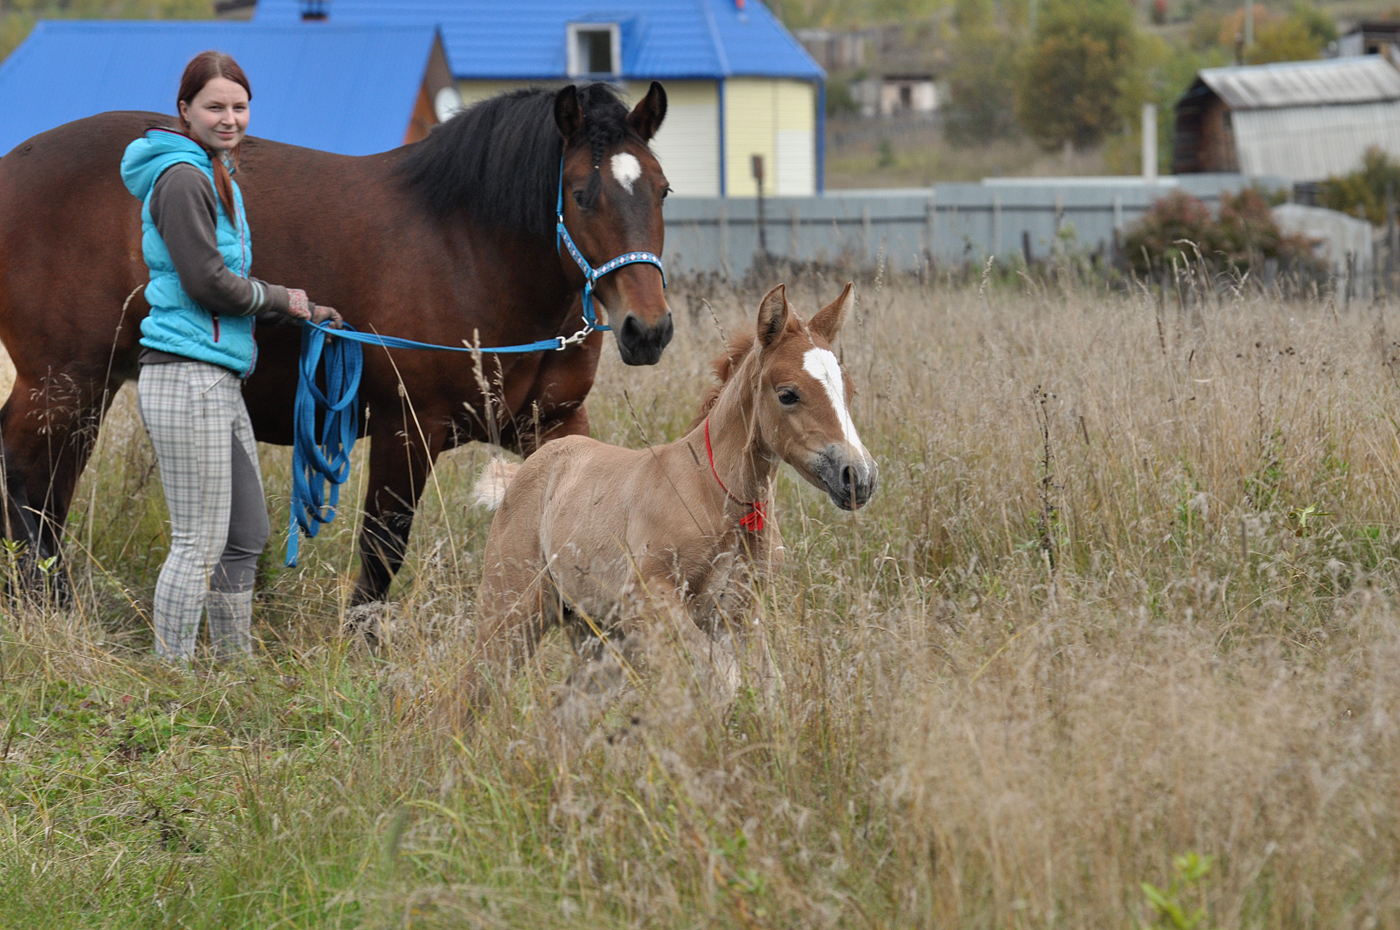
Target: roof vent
{"x":315,"y":10}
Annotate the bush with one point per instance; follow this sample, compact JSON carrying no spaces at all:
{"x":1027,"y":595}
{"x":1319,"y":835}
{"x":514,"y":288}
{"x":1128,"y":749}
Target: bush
{"x":1363,"y":193}
{"x":1243,"y":234}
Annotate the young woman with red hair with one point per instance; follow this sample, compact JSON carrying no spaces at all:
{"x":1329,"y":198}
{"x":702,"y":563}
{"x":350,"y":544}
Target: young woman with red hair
{"x":197,"y":347}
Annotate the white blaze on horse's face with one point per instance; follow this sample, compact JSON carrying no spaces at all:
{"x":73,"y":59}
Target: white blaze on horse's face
{"x":822,"y":365}
{"x":626,"y":169}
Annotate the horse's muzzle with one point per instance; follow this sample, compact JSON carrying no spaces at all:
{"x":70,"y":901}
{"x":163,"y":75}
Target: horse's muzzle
{"x":642,"y":343}
{"x":850,"y":479}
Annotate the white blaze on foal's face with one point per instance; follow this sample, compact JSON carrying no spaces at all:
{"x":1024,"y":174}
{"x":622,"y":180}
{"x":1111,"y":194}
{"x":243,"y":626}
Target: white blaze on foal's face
{"x":822,"y":365}
{"x":626,"y":169}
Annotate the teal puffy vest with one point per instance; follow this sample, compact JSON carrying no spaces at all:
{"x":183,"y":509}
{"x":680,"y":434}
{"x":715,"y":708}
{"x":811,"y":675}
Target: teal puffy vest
{"x":176,"y":324}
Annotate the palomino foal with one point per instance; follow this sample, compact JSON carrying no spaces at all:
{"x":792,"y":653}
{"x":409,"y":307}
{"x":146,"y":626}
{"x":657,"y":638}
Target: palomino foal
{"x":585,"y":534}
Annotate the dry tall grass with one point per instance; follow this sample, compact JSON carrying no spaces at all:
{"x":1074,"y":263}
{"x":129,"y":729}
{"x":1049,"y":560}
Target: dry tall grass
{"x":1127,"y":592}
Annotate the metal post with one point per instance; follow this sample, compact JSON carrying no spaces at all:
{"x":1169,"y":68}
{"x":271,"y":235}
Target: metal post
{"x":794,"y":248}
{"x":996,"y":222}
{"x":1149,"y":143}
{"x":930,"y":216}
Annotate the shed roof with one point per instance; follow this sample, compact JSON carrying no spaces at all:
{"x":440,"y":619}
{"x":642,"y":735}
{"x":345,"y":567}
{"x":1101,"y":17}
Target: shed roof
{"x":303,"y":93}
{"x":674,"y":39}
{"x":1361,"y":79}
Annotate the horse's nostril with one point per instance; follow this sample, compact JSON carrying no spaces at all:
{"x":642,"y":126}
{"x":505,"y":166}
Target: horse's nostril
{"x":848,"y":479}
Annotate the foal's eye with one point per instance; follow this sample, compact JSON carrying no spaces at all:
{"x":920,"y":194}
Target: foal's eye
{"x":787,"y":397}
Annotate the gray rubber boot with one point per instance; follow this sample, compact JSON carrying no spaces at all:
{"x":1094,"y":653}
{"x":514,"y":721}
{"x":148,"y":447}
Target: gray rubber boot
{"x":230,"y":620}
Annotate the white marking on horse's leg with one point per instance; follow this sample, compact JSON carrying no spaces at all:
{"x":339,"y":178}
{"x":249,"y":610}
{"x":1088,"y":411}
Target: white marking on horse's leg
{"x":626,"y":169}
{"x":822,"y":365}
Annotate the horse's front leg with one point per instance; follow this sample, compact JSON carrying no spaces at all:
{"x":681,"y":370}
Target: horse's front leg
{"x":401,"y":456}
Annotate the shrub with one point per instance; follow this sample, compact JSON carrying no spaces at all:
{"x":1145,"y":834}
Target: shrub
{"x":1363,"y":193}
{"x":1243,"y":234}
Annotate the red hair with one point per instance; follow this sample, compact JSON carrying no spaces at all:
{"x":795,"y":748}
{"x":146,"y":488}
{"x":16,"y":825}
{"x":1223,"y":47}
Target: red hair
{"x":202,"y":69}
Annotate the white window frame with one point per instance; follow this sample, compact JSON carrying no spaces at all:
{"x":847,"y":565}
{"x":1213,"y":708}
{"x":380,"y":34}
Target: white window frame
{"x":576,"y":67}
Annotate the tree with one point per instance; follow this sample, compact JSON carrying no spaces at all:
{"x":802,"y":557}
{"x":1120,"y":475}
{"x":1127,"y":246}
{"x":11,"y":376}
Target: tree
{"x":981,"y":88}
{"x":1071,"y":79}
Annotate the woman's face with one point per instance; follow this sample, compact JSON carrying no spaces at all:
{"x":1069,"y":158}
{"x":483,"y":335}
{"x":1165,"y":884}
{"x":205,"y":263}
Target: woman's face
{"x":218,"y":114}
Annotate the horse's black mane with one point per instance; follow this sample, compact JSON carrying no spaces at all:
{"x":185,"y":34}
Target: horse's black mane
{"x":499,"y":159}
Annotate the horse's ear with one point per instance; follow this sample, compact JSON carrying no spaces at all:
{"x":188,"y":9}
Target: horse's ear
{"x":645,"y":118}
{"x":772,"y":316}
{"x":828,"y":322}
{"x":568,"y":114}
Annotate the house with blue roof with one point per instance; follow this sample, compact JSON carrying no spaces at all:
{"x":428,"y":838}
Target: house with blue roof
{"x":737,"y":82}
{"x":351,"y":89}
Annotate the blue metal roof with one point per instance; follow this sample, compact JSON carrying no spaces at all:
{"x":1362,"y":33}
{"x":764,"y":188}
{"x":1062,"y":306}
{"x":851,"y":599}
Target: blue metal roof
{"x":338,"y":87}
{"x":489,"y":39}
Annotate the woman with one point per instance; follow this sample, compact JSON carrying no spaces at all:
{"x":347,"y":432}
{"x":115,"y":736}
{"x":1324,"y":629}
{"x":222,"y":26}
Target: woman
{"x":197,"y":346}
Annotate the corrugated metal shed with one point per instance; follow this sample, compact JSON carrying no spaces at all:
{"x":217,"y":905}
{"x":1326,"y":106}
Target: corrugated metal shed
{"x":662,"y":39}
{"x":1304,"y":83}
{"x":342,"y":88}
{"x":1314,"y":143}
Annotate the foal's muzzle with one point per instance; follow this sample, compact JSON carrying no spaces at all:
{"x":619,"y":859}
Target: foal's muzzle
{"x":849,"y":478}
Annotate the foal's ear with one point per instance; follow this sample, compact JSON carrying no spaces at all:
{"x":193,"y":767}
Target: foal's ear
{"x":568,"y":115}
{"x":772,"y":316}
{"x":828,"y":322}
{"x":645,"y":118}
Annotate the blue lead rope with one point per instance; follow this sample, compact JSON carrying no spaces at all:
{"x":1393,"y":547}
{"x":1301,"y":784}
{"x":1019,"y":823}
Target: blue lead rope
{"x":321,"y":462}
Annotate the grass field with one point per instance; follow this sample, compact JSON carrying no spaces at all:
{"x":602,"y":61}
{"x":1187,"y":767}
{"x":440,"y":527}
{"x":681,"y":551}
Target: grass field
{"x":1122,"y":613}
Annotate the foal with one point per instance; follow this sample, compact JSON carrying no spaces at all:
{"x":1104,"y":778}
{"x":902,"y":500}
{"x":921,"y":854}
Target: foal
{"x":586,"y":533}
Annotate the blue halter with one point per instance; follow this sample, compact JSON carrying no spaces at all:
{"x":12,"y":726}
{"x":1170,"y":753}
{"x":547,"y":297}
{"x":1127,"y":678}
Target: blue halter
{"x":321,"y":464}
{"x":591,"y":274}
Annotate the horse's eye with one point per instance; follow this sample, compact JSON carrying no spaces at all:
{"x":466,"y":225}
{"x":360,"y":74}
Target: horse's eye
{"x":665,"y":192}
{"x":581,"y":200}
{"x":787,"y":397}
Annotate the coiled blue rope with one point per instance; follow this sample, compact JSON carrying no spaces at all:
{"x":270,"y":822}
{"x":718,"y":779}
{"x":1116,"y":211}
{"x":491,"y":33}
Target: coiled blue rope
{"x":321,"y":464}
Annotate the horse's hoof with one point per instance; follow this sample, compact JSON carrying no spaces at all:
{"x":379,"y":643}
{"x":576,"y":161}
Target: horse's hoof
{"x":365,"y":622}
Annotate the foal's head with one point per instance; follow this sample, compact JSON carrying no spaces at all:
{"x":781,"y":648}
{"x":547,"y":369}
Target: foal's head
{"x":802,"y":402}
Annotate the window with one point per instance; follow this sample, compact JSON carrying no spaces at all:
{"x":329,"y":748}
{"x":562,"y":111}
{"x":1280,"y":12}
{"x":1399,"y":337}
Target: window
{"x":594,"y":48}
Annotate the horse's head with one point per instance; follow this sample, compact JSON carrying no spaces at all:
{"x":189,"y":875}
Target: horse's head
{"x":803,"y":404}
{"x":612,"y":192}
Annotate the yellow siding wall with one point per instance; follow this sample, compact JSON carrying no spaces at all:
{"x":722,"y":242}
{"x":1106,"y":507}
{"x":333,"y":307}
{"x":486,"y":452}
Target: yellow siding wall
{"x":771,"y":118}
{"x":688,"y":143}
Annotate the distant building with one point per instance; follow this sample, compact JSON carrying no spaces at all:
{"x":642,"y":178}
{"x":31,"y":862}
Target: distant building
{"x":834,"y":51}
{"x":68,"y":69}
{"x":895,"y":95}
{"x":1372,"y":37}
{"x":1304,"y":120}
{"x":738,"y":83}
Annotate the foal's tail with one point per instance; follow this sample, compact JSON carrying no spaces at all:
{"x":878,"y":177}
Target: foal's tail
{"x":491,"y":486}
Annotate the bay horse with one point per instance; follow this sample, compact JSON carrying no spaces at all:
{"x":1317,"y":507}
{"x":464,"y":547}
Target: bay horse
{"x":447,"y":240}
{"x":589,"y":535}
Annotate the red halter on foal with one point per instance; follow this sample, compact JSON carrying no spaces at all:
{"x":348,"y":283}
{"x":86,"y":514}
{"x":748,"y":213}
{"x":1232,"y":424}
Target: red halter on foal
{"x":751,"y":521}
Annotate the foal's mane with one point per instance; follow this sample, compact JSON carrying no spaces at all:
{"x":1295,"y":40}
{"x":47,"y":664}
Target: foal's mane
{"x":724,"y":366}
{"x":499,"y":159}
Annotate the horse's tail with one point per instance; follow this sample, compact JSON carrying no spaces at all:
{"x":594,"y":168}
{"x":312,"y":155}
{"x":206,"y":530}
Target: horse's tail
{"x":491,"y":486}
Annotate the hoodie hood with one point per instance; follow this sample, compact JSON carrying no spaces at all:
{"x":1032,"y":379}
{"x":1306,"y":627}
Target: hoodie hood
{"x":147,"y":158}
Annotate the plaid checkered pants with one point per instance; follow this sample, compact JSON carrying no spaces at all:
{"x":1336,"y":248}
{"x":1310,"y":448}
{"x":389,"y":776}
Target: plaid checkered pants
{"x":197,"y":421}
